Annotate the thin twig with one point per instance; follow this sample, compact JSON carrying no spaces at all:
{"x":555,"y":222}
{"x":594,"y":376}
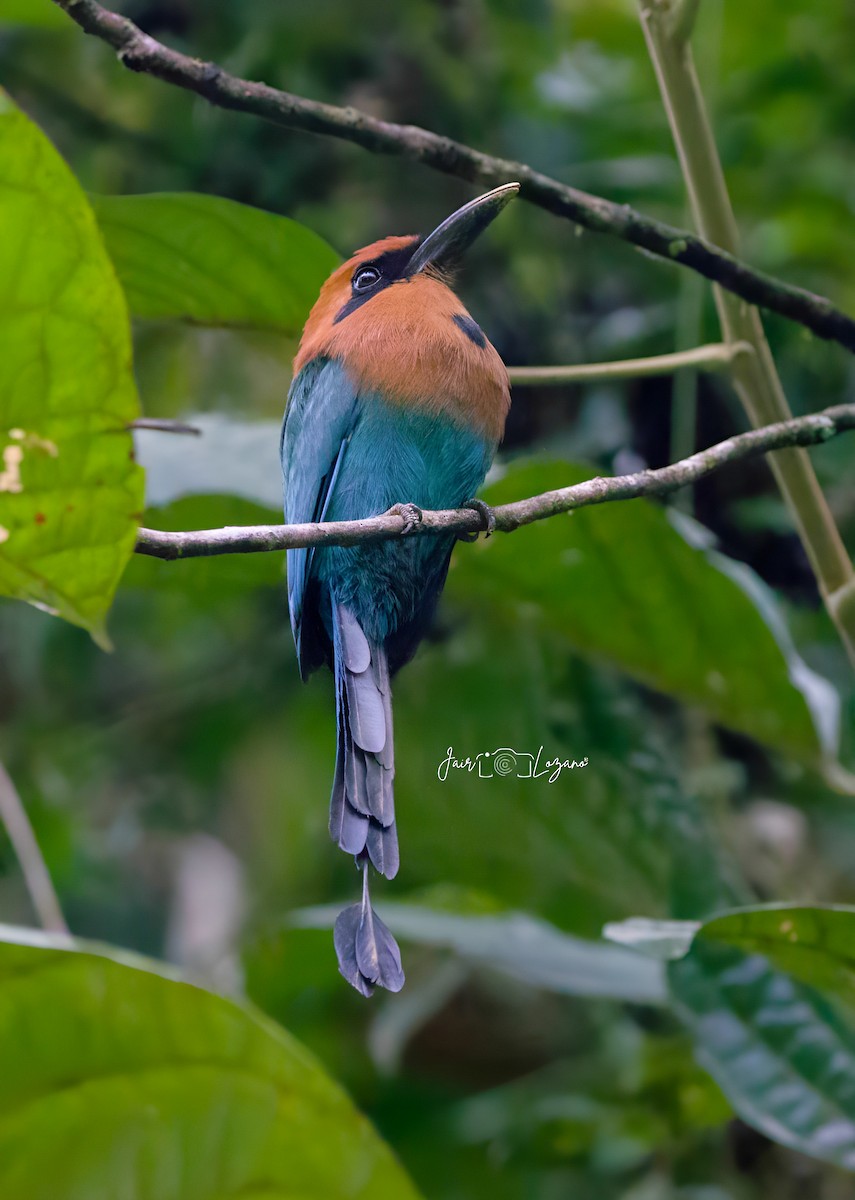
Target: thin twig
{"x":716,"y":357}
{"x":164,"y":425}
{"x":27,"y":851}
{"x":801,"y":431}
{"x":145,"y":54}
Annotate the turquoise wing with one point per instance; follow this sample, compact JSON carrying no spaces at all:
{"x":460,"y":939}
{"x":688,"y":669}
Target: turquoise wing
{"x":320,"y":417}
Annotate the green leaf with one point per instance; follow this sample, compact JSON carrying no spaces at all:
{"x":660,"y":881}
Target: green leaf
{"x":627,"y":587}
{"x":521,"y":946}
{"x":783,"y":1056}
{"x":70,"y":493}
{"x":41,"y":13}
{"x":119,"y":1080}
{"x":755,"y":987}
{"x":188,"y":257}
{"x":812,"y":943}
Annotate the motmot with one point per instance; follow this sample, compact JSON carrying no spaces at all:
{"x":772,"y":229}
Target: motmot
{"x":398,"y":401}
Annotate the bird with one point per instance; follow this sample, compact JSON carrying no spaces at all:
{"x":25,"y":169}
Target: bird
{"x":398,"y":402}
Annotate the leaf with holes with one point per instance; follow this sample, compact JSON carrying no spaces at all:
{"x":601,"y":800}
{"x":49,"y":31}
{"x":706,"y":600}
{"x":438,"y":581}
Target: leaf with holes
{"x":121,"y":1081}
{"x":70,"y":492}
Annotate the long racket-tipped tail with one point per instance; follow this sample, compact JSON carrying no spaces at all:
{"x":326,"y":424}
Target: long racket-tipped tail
{"x":362,"y":806}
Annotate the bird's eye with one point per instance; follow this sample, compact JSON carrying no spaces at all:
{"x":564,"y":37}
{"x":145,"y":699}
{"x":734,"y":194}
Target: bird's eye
{"x":365,"y":278}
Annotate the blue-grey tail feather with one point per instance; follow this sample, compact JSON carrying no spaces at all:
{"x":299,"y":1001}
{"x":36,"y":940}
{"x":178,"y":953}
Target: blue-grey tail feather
{"x":362,"y":805}
{"x":368,"y":955}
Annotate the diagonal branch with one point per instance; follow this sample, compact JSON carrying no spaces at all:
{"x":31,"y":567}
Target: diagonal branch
{"x":801,"y":431}
{"x":142,"y":53}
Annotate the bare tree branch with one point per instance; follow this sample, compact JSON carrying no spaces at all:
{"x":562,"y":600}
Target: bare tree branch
{"x":33,"y":867}
{"x":801,"y":431}
{"x":142,"y":53}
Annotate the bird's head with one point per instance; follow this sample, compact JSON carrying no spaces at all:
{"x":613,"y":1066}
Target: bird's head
{"x":390,"y":316}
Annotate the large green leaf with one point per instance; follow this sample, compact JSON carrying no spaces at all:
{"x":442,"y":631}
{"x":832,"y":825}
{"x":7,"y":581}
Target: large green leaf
{"x":118,"y":1080}
{"x":628,"y":587}
{"x":183,"y":256}
{"x":70,"y":493}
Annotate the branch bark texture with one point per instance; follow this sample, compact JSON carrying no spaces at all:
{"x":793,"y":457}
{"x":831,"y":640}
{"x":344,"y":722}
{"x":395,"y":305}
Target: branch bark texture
{"x":145,"y":54}
{"x":801,"y":431}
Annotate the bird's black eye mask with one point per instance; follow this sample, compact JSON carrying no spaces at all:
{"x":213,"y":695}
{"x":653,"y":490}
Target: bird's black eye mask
{"x":373,"y":276}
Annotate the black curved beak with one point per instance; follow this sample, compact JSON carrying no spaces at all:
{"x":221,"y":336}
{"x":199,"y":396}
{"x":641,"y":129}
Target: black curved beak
{"x":444,"y":248}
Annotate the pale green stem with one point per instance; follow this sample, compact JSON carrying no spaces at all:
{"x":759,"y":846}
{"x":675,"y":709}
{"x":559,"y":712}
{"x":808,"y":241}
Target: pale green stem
{"x":716,"y":357}
{"x":684,"y":392}
{"x":754,"y":375}
{"x":33,"y":867}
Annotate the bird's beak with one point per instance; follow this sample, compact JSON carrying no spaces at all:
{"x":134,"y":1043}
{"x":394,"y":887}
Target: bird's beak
{"x":447,"y":244}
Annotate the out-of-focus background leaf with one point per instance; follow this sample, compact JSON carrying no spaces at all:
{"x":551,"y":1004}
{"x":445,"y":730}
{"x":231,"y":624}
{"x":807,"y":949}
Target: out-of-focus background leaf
{"x":210,"y":261}
{"x":179,"y":787}
{"x":520,"y":946}
{"x":782,"y":1054}
{"x":623,"y":584}
{"x":811,"y":942}
{"x":814,"y":944}
{"x":40,"y":13}
{"x":118,"y":1080}
{"x":758,"y":988}
{"x":70,"y":493}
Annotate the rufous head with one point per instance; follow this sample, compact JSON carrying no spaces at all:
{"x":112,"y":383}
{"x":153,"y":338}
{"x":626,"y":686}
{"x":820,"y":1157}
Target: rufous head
{"x":389,"y":315}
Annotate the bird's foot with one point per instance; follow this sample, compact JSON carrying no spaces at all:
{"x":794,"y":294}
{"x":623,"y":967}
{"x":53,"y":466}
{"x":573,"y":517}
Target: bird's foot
{"x":488,"y":519}
{"x":411,"y":514}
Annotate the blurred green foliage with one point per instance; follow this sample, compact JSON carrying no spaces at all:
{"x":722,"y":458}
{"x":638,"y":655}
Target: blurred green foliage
{"x":193,"y":756}
{"x":120,"y":1081}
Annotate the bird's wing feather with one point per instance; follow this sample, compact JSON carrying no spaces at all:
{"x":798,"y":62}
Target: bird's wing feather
{"x":319,"y":419}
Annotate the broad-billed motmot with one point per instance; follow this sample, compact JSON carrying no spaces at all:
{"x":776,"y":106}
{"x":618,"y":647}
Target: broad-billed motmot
{"x":398,"y":399}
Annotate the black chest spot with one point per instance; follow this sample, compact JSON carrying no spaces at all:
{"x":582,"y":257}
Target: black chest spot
{"x":471,"y":329}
